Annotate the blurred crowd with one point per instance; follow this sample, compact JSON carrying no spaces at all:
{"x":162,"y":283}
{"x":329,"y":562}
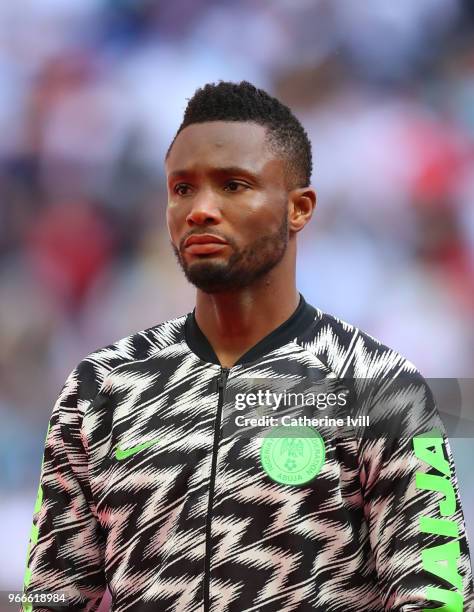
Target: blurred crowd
{"x":92,"y":92}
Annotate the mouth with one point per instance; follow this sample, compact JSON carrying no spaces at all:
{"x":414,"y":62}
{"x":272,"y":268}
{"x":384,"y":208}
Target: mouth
{"x":204,"y":244}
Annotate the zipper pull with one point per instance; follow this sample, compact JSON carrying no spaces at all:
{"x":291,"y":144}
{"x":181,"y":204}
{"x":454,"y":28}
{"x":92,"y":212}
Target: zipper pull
{"x":222,"y":378}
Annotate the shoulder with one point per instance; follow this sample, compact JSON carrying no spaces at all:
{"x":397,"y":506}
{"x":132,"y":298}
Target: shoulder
{"x":351,"y":352}
{"x":385,"y":383}
{"x":89,"y":375}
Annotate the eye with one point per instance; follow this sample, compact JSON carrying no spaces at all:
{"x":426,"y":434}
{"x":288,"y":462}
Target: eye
{"x":234,"y":186}
{"x":181,"y":189}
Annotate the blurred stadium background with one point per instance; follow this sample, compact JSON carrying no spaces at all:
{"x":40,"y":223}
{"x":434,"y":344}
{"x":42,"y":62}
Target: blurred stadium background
{"x":91,"y":93}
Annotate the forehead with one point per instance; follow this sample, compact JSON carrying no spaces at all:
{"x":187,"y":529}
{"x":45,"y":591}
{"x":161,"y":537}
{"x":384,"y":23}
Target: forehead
{"x":220,"y":144}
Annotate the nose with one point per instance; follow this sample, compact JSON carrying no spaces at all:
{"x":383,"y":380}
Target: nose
{"x":205,"y":210}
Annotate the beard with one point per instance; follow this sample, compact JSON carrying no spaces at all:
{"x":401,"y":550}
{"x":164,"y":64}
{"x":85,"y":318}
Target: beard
{"x":244,"y":266}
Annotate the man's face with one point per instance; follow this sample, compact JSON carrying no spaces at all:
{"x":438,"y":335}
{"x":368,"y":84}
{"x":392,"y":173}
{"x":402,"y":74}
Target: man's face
{"x":225,"y":183}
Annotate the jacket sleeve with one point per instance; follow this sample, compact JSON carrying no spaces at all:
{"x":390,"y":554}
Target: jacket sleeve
{"x":412,"y":503}
{"x":66,"y":548}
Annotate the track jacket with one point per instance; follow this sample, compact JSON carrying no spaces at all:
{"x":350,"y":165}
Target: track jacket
{"x":147,"y":489}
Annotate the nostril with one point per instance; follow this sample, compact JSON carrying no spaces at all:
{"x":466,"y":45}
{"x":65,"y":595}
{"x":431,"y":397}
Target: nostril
{"x":197,"y":218}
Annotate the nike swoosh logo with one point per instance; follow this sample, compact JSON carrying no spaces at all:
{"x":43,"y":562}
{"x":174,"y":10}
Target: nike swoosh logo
{"x":123,"y":453}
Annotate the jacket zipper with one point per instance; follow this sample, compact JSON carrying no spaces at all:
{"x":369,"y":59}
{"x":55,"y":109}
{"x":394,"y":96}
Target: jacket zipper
{"x":221,"y":383}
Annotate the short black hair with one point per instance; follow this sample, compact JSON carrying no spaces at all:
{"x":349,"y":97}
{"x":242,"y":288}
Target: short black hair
{"x":227,"y":101}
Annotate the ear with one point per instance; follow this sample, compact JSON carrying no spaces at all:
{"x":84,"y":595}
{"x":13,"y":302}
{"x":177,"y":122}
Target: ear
{"x":301,"y":204}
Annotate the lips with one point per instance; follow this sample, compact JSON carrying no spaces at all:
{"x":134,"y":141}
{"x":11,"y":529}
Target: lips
{"x":203,"y":239}
{"x":204,"y":244}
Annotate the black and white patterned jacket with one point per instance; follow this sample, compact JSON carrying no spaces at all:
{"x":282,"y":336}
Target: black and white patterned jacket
{"x":145,"y":489}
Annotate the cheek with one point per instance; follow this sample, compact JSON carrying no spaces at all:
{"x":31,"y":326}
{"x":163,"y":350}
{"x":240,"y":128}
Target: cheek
{"x":174,"y":219}
{"x":265,"y":215}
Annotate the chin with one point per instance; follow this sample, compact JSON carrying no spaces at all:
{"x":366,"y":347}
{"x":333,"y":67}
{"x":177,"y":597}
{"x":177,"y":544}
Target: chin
{"x":210,"y":278}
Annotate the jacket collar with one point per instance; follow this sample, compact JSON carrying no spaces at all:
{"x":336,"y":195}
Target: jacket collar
{"x":294,"y":326}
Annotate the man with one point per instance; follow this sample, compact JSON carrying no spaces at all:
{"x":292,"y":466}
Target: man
{"x":151,"y":485}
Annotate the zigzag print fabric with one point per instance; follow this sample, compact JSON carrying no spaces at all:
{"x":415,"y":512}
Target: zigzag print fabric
{"x":147,"y":487}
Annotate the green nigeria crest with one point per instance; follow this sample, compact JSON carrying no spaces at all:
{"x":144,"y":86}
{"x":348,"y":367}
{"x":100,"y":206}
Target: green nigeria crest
{"x":292,"y":455}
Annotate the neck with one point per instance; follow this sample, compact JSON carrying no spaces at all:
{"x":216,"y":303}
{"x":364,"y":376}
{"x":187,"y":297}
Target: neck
{"x":234,"y":321}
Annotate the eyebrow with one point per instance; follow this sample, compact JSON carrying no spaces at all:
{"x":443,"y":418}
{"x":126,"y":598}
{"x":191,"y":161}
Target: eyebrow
{"x":217,"y":171}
